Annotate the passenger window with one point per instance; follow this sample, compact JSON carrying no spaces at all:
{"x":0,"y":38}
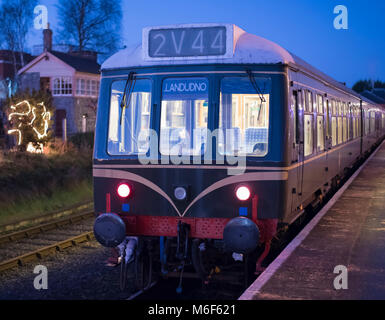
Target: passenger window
{"x":183,"y":124}
{"x":334,"y":123}
{"x":366,"y":115}
{"x":320,"y":124}
{"x":372,"y":121}
{"x":320,"y":104}
{"x":244,"y":116}
{"x":354,"y":121}
{"x":345,"y":122}
{"x":308,"y":134}
{"x":309,"y":101}
{"x":339,"y":122}
{"x":320,"y":133}
{"x":328,"y":124}
{"x":126,"y":122}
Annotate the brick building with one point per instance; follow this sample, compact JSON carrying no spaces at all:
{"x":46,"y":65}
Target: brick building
{"x":72,"y":78}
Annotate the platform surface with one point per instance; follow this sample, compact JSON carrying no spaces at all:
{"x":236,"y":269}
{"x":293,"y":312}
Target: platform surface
{"x":352,"y":234}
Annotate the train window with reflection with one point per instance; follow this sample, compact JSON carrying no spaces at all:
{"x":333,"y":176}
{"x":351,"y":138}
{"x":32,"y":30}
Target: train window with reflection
{"x":372,"y":121}
{"x":309,"y":101}
{"x":366,"y":122}
{"x":308,"y":125}
{"x":320,"y":106}
{"x":334,"y":123}
{"x":339,"y":122}
{"x":184,"y":113}
{"x":244,"y":116}
{"x":320,"y":133}
{"x":127,"y":121}
{"x":383,"y":120}
{"x":345,"y":122}
{"x":308,"y":134}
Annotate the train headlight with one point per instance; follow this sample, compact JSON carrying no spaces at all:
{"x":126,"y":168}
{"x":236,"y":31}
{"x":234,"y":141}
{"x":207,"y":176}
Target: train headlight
{"x":243,"y":193}
{"x":123,"y":190}
{"x":180,"y":193}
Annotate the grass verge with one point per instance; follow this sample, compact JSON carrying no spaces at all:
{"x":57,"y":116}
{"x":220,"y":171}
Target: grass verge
{"x":60,"y":198}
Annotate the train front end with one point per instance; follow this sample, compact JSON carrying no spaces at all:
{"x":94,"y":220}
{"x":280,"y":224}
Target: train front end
{"x":190,"y":138}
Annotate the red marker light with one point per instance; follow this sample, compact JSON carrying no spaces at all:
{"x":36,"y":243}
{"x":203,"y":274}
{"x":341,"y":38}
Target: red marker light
{"x":243,"y":193}
{"x":123,"y":190}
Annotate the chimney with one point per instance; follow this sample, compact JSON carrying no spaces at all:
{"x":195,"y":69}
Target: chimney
{"x":47,"y":38}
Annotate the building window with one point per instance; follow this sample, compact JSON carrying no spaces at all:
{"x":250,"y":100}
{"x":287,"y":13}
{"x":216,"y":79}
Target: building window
{"x":87,"y":87}
{"x":62,"y":86}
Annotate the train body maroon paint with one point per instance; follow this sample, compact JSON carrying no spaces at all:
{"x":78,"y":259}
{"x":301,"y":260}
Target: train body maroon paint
{"x":209,"y":139}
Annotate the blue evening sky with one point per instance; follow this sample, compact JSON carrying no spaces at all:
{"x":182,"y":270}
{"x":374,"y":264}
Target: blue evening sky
{"x":303,"y":27}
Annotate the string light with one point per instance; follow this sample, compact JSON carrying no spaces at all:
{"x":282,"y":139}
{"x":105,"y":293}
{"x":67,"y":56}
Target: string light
{"x":32,"y":149}
{"x":45,"y":115}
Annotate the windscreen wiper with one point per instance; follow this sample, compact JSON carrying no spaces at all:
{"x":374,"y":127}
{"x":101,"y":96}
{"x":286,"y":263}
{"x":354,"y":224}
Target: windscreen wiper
{"x":255,"y":85}
{"x":130,"y":84}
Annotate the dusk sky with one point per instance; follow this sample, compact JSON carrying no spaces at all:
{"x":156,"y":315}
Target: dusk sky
{"x":301,"y":26}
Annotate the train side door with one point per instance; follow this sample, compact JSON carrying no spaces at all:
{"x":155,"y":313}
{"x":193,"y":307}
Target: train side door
{"x":298,"y":137}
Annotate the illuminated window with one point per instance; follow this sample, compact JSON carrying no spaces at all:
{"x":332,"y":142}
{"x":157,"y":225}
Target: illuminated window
{"x":372,"y":121}
{"x":62,"y":86}
{"x":308,"y":134}
{"x":339,"y":122}
{"x":184,"y":115}
{"x":320,"y":106}
{"x":345,"y":122}
{"x":320,"y":134}
{"x":244,"y":116}
{"x":309,"y":101}
{"x":334,"y":131}
{"x":126,"y":123}
{"x":87,"y":87}
{"x":366,"y":123}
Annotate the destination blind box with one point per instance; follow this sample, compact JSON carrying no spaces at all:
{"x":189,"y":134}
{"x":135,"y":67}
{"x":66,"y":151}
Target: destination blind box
{"x":193,"y":41}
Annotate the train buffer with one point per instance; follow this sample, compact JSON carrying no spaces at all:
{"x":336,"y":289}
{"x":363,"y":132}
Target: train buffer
{"x":340,"y":254}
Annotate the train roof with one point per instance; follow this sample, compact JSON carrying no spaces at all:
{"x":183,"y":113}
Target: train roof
{"x":247,"y":49}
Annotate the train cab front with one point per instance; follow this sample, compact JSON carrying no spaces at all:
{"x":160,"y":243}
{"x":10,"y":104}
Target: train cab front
{"x":183,"y":162}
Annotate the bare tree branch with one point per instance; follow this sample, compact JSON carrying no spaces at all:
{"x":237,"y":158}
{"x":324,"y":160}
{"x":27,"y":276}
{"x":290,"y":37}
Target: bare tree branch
{"x":90,"y":24}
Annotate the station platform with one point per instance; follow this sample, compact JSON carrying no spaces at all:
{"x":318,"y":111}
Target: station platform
{"x":348,"y":231}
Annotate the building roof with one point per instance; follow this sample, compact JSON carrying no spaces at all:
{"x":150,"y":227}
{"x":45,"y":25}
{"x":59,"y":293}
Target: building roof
{"x":78,"y":63}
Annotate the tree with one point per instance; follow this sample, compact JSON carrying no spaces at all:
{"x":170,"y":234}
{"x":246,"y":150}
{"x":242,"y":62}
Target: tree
{"x":16,"y":17}
{"x":90,"y":24}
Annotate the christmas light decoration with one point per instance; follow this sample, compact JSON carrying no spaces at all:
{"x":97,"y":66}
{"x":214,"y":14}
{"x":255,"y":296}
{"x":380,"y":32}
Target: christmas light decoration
{"x":43,"y":117}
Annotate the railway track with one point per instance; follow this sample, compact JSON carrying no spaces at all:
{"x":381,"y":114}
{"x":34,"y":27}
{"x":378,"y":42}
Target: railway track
{"x":34,"y":243}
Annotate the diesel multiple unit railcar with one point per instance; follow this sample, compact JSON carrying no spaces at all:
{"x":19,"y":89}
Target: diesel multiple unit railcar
{"x":210,"y":139}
